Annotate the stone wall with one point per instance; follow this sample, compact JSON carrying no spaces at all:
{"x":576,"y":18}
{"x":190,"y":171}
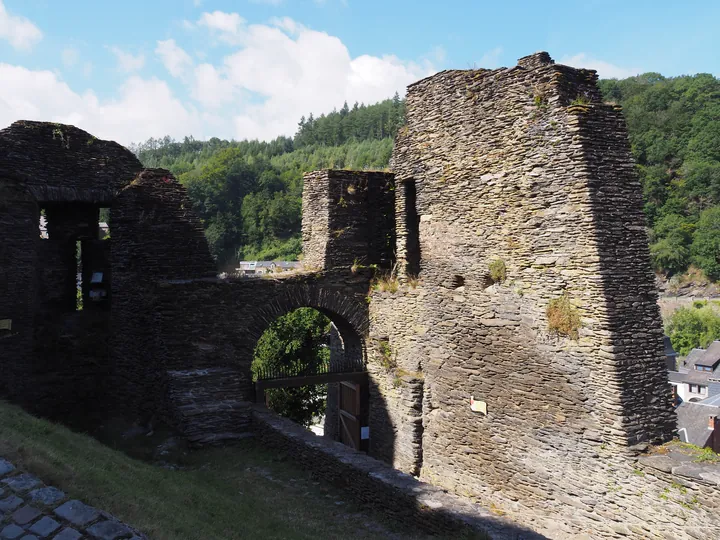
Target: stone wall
{"x":408,"y":502}
{"x":55,"y":358}
{"x":155,"y":236}
{"x":210,"y":327}
{"x":20,"y":234}
{"x":61,"y":163}
{"x":523,"y":169}
{"x":348,"y":219}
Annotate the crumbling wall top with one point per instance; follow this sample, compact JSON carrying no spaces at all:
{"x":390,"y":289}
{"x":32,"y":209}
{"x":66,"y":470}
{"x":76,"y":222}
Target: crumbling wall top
{"x":62,"y":163}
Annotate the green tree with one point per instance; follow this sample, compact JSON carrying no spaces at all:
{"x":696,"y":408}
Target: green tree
{"x":706,"y":243}
{"x":693,"y":327}
{"x":298,"y":341}
{"x":671,"y":249}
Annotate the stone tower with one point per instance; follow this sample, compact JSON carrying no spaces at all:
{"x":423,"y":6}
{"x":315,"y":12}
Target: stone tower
{"x":516,"y":200}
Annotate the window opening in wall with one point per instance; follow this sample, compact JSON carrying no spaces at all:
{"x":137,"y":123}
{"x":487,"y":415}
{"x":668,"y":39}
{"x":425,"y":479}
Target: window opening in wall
{"x":412,"y":228}
{"x":104,"y":224}
{"x":43,"y":225}
{"x":78,"y":276}
{"x":458,"y":281}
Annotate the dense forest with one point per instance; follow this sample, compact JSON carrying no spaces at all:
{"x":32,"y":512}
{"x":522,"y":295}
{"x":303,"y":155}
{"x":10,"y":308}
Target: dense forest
{"x":674,"y":126}
{"x":248,"y":193}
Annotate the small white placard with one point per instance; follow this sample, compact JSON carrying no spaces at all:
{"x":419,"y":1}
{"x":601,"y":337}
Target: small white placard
{"x":5,"y":324}
{"x":478,"y":406}
{"x":365,"y":432}
{"x":96,"y":277}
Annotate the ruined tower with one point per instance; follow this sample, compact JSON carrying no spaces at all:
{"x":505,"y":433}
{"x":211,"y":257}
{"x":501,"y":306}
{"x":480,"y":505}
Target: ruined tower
{"x":517,"y":200}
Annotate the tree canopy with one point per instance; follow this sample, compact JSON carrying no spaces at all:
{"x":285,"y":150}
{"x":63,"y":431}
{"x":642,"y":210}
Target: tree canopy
{"x":298,"y":339}
{"x":674,"y":126}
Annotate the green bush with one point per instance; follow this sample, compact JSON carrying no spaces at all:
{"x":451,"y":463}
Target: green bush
{"x":693,"y":327}
{"x":498,"y":272}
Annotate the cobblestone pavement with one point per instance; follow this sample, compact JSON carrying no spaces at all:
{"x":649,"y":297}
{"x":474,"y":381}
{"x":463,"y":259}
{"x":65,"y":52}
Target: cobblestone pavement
{"x":30,"y":510}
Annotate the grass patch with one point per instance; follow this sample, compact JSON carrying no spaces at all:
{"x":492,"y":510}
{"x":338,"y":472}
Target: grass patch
{"x":581,"y":100}
{"x":236,"y":492}
{"x":498,"y":272}
{"x":563,"y":317}
{"x":386,"y":355}
{"x":386,"y":283}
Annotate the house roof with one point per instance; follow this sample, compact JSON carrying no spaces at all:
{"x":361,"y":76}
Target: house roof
{"x":692,"y":357}
{"x":251,"y":265}
{"x":713,"y":401}
{"x":676,"y":377}
{"x":711,"y":356}
{"x":692,"y":422}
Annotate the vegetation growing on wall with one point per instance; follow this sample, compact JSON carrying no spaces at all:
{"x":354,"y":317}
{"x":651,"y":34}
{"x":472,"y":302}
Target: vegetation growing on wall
{"x":498,"y":272}
{"x":563,"y":317}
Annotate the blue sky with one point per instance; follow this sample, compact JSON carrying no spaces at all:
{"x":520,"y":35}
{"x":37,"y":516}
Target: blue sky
{"x":250,"y":68}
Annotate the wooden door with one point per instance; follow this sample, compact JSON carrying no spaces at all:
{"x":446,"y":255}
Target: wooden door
{"x":350,"y":411}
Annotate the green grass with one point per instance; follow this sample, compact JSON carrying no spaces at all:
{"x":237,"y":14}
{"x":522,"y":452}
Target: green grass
{"x":242,"y":491}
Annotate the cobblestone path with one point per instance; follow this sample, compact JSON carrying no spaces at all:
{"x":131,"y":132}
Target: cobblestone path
{"x":30,"y":510}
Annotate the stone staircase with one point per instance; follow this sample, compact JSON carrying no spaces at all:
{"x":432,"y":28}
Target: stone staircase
{"x":206,"y":404}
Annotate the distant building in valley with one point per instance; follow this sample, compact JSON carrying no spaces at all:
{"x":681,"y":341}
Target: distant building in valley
{"x":698,"y":377}
{"x":256,"y":268}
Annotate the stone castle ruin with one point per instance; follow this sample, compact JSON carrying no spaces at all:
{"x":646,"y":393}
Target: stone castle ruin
{"x":512,"y":203}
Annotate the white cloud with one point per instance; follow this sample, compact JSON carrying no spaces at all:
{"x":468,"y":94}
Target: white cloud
{"x":491,"y":59}
{"x":605,"y":69}
{"x":173,"y":57}
{"x":275,"y":74}
{"x":128,"y":62}
{"x":142,"y":109}
{"x":70,"y":56}
{"x":210,"y":88}
{"x":290,"y":26}
{"x":227,"y":25}
{"x":301,"y":71}
{"x":20,"y":32}
{"x":197,"y":3}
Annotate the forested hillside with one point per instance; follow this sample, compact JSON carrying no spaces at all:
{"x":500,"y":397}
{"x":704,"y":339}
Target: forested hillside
{"x":248,"y":193}
{"x":674,"y":126}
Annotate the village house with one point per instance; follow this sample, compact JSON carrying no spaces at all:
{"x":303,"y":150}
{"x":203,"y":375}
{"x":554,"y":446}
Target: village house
{"x":699,"y":423}
{"x":698,"y":377}
{"x":256,"y":268}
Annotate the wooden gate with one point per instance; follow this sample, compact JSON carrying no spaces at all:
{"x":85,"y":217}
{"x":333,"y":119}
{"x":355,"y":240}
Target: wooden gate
{"x":350,"y":414}
{"x":352,"y":403}
{"x":353,"y":414}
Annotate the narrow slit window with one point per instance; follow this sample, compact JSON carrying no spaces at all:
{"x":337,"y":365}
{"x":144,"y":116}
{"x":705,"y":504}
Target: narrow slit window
{"x":43,"y":225}
{"x":79,"y":276}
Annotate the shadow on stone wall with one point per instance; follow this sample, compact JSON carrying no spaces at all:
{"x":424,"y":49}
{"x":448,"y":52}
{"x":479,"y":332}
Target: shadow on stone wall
{"x":633,"y":316}
{"x":405,"y":499}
